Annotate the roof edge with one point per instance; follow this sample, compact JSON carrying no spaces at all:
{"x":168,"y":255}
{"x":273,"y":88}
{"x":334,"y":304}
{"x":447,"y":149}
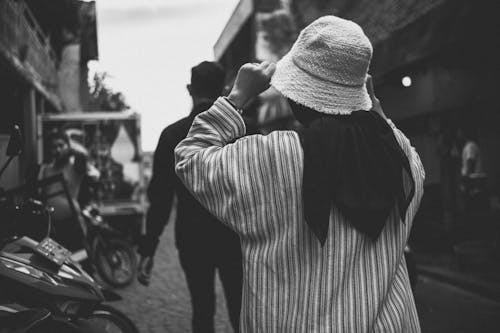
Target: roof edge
{"x":240,"y":15}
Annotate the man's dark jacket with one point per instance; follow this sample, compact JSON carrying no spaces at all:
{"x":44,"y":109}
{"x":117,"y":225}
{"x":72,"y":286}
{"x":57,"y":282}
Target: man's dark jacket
{"x":196,"y":230}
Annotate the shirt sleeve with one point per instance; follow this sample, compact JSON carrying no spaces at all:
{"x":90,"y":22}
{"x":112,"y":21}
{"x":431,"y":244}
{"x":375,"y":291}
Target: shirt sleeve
{"x":243,"y":181}
{"x":160,"y":194}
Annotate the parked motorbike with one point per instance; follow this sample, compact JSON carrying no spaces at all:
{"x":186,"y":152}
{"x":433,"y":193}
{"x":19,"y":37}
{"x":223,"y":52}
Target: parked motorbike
{"x":37,"y":293}
{"x":43,"y":289}
{"x":113,"y":257}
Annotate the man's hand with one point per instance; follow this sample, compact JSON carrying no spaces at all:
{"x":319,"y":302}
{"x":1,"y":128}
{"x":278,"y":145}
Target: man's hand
{"x":144,"y":270}
{"x":252,"y":79}
{"x":375,"y":102}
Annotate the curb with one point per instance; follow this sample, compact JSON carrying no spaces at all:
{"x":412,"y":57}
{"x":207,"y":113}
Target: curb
{"x":484,"y":288}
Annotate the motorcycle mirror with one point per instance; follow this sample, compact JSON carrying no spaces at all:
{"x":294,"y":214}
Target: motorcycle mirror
{"x":14,"y":147}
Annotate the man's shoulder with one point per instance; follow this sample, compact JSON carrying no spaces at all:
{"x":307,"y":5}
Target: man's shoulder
{"x":176,"y":131}
{"x":181,"y":123}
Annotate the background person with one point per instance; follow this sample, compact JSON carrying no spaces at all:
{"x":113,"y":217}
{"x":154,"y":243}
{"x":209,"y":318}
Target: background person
{"x":205,"y":245}
{"x":75,"y":168}
{"x":473,"y":186}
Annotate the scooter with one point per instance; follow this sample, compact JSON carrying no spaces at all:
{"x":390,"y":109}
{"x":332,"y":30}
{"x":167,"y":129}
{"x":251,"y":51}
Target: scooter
{"x":43,"y":289}
{"x":113,"y":257}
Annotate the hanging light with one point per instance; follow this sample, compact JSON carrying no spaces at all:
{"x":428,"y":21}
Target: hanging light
{"x":406,"y":81}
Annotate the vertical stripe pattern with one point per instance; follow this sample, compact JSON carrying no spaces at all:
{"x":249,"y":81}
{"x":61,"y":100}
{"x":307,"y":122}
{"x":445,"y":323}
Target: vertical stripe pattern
{"x":291,"y":283}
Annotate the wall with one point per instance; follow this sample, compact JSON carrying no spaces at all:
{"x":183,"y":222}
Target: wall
{"x":11,"y":176}
{"x":456,"y":96}
{"x":69,"y":76}
{"x":240,"y":50}
{"x":433,"y":89}
{"x":306,"y":11}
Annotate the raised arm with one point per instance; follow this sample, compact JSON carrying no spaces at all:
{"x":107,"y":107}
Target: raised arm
{"x":232,"y":179}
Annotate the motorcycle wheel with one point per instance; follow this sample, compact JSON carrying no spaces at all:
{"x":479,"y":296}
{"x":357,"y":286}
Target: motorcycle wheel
{"x":107,"y":319}
{"x":116,"y":262}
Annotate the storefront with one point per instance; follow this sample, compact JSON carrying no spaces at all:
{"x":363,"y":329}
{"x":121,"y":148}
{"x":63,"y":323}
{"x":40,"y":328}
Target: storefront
{"x":32,"y":68}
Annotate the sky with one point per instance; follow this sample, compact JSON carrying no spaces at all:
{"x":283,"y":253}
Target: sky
{"x":148,"y":48}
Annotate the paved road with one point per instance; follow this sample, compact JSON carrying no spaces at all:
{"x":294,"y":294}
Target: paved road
{"x":164,"y":306}
{"x":444,"y":308}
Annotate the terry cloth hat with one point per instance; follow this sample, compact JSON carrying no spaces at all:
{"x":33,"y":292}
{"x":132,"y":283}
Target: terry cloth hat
{"x":327,"y":67}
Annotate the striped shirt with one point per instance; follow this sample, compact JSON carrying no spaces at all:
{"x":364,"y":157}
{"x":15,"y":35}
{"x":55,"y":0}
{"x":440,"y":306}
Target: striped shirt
{"x":291,"y":283}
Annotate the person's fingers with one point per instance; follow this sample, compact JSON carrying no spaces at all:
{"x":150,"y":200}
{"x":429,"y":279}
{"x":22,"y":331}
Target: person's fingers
{"x":269,"y":71}
{"x":247,"y":66}
{"x":264,"y":64}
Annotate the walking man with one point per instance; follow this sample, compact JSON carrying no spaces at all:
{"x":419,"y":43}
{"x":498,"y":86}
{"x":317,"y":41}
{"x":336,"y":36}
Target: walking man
{"x":323,"y":213}
{"x":205,"y":245}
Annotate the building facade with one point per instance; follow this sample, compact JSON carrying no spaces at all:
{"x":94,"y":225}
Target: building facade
{"x":44,"y":49}
{"x":258,"y":30}
{"x":435,"y":64}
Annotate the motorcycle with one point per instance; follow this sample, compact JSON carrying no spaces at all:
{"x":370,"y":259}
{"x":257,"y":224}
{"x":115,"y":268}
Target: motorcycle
{"x":105,"y":252}
{"x":113,"y":257}
{"x":43,"y":288}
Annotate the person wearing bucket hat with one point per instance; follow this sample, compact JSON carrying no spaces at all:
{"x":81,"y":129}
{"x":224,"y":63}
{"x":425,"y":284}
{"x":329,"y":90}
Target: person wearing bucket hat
{"x":327,"y":67}
{"x":323,"y":213}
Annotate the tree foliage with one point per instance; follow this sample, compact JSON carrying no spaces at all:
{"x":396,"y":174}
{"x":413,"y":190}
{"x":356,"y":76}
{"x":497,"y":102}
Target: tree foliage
{"x":103,"y":98}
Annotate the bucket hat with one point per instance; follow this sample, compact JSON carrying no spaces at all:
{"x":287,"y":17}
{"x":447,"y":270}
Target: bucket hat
{"x":326,"y":68}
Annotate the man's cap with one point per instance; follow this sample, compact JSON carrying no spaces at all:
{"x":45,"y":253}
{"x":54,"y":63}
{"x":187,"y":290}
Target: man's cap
{"x":207,"y":79}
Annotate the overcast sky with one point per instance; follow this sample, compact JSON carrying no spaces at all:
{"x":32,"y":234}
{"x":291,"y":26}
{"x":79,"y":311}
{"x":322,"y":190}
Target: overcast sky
{"x":149,"y":47}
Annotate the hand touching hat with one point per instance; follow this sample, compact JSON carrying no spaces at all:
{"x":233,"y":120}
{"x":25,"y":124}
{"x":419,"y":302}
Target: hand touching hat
{"x":252,"y":79}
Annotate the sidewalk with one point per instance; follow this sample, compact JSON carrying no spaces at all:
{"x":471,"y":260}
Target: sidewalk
{"x":481,"y":276}
{"x":483,"y":287}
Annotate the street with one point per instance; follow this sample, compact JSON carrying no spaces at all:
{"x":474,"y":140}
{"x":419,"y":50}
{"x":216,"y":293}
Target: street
{"x":164,"y":306}
{"x":444,"y":308}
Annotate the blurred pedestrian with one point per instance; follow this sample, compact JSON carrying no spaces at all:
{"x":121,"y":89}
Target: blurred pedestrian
{"x":472,"y":163}
{"x":323,"y":213}
{"x":473,"y":185}
{"x":204,"y":244}
{"x":72,"y":163}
